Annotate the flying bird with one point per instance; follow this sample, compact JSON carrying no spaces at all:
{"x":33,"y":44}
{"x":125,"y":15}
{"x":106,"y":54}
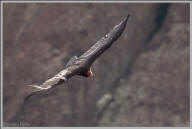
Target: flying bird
{"x":82,"y":65}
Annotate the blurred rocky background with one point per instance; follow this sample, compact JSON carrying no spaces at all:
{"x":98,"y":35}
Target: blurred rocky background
{"x":142,"y":80}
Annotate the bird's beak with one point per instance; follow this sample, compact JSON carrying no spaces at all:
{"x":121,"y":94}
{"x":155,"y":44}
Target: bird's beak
{"x":89,"y":73}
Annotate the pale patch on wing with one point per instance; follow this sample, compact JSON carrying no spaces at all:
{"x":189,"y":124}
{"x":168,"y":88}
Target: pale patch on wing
{"x":59,"y":75}
{"x":52,"y":81}
{"x":40,"y":88}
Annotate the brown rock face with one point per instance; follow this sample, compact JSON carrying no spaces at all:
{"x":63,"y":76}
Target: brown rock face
{"x":142,"y":80}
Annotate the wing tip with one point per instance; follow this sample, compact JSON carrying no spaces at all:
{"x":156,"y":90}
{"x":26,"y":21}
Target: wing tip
{"x":121,"y":26}
{"x":128,"y":15}
{"x":126,"y":19}
{"x":31,"y":91}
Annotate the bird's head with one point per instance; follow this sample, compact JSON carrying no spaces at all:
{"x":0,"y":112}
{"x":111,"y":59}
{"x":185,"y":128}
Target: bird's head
{"x":89,"y":73}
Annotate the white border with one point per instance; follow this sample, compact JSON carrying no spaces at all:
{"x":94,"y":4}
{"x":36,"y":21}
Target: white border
{"x":190,"y":89}
{"x":1,"y":65}
{"x":150,"y":1}
{"x":89,"y":1}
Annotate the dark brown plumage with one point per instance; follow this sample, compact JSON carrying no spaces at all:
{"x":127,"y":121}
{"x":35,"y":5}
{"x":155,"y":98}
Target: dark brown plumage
{"x":81,"y":65}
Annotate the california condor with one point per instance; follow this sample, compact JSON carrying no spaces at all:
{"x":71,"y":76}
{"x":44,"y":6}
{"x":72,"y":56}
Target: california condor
{"x":82,"y":65}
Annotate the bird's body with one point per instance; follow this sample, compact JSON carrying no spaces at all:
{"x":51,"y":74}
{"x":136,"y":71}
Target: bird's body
{"x":82,"y":65}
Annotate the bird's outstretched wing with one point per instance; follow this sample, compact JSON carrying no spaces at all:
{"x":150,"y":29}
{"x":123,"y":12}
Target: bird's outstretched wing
{"x":61,"y":76}
{"x":50,"y":83}
{"x":105,"y":42}
{"x":78,"y":64}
